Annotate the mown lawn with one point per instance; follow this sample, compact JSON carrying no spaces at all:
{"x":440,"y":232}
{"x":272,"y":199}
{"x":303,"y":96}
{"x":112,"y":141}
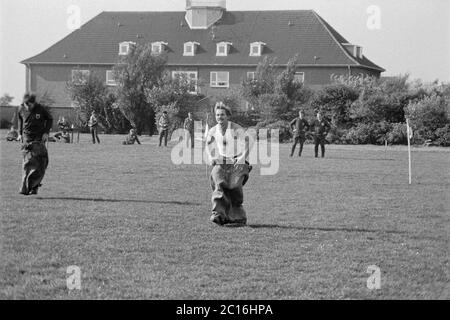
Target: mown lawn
{"x":137,"y":226}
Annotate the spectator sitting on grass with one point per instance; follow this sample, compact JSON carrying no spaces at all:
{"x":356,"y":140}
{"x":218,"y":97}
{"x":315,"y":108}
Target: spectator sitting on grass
{"x":12,"y":134}
{"x":131,"y":138}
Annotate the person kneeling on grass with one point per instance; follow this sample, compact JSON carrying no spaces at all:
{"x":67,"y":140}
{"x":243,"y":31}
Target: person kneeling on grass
{"x":230,"y":169}
{"x":131,"y":138}
{"x":12,"y":135}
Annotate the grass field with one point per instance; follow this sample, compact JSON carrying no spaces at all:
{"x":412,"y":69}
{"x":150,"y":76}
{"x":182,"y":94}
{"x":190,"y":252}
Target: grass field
{"x":137,"y":226}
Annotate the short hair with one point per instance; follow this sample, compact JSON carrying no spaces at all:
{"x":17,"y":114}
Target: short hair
{"x":221,"y":106}
{"x":165,"y":112}
{"x":29,"y":97}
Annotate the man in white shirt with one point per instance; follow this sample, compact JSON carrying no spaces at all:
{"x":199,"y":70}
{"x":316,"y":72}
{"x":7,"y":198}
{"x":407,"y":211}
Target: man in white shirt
{"x":230,"y":168}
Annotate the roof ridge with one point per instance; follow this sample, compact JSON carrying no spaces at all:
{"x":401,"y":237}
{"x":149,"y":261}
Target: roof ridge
{"x":334,"y":38}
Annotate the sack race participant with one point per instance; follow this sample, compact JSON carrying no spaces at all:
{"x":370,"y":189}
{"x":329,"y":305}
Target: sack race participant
{"x":230,"y":169}
{"x":12,"y":135}
{"x":34,"y":127}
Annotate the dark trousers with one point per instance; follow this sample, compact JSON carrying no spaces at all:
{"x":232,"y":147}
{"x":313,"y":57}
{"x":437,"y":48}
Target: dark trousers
{"x":319,"y":140}
{"x":189,"y":135}
{"x":94,"y":135}
{"x":163,"y":133}
{"x":301,"y":141}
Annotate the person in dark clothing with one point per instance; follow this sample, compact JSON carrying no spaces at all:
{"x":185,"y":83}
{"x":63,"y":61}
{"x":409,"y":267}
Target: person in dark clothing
{"x":93,"y":126}
{"x":64,"y":128}
{"x":12,"y":135}
{"x":321,"y":127}
{"x":299,"y":127}
{"x":189,"y":127}
{"x":34,"y":127}
{"x":163,"y":128}
{"x":131,"y":138}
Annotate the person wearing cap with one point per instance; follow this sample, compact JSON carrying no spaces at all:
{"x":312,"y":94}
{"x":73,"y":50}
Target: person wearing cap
{"x":35,"y":123}
{"x":164,"y":124}
{"x":299,"y":127}
{"x":131,"y":138}
{"x":93,"y":126}
{"x":230,"y":170}
{"x":320,"y":127}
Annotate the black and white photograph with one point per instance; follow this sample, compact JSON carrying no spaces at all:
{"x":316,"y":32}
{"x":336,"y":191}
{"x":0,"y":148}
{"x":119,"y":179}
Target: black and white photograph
{"x":225,"y":155}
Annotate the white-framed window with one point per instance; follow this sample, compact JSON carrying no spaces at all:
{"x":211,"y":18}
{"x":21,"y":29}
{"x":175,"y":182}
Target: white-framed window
{"x":223,"y":48}
{"x":158,"y":47}
{"x":299,"y":77}
{"x":220,"y":79}
{"x":192,"y":76}
{"x":110,"y":81}
{"x":190,"y":48}
{"x":256,"y":48}
{"x":124,"y":47}
{"x":80,"y":76}
{"x":251,"y":75}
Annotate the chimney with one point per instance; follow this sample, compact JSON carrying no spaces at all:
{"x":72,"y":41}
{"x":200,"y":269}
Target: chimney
{"x":202,"y":14}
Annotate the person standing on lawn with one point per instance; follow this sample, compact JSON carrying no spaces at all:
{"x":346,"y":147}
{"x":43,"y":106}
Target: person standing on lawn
{"x":299,"y":127}
{"x":321,"y":128}
{"x":189,"y":127}
{"x":35,"y":123}
{"x":93,"y":127}
{"x":163,"y":128}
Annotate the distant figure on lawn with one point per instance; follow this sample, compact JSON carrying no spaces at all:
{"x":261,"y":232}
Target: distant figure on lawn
{"x":34,"y":127}
{"x":189,"y":127}
{"x":299,"y":127}
{"x":230,"y":169}
{"x":12,"y":134}
{"x":93,"y":127}
{"x":131,"y":138}
{"x":164,"y":124}
{"x":63,"y":133}
{"x":321,"y":128}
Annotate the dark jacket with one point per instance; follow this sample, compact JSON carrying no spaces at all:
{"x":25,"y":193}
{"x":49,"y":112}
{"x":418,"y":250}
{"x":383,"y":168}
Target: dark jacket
{"x":300,"y":126}
{"x":34,"y":123}
{"x":320,"y":128}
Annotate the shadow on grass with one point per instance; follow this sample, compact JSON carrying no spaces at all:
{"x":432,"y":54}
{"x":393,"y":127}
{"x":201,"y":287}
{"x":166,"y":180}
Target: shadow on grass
{"x":363,"y":159}
{"x":276,"y":226}
{"x":184,"y":203}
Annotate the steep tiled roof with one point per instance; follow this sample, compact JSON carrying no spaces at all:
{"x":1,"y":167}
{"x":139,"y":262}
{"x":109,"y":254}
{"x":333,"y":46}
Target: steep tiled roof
{"x":285,"y":33}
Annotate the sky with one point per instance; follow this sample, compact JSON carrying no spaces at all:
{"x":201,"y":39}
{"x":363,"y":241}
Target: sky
{"x":402,"y":36}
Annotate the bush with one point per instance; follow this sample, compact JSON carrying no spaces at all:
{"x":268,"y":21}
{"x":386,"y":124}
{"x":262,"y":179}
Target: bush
{"x":397,"y":134}
{"x":443,"y":136}
{"x":5,"y":124}
{"x":368,"y":133}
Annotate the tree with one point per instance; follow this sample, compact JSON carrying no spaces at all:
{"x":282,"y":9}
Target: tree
{"x":6,"y":100}
{"x":91,"y":93}
{"x":135,"y":74}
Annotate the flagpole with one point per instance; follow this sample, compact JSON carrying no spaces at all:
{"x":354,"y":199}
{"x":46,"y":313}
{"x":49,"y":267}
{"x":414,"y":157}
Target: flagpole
{"x":409,"y":149}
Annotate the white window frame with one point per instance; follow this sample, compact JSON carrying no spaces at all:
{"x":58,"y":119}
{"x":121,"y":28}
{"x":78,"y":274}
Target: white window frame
{"x":302,"y":77}
{"x":110,"y":81}
{"x":188,"y":74}
{"x":84,"y":74}
{"x":226,"y":46}
{"x":258,"y":45}
{"x":125,"y":45}
{"x":251,"y":75}
{"x":160,"y":45}
{"x":216,"y":83}
{"x":191,"y":44}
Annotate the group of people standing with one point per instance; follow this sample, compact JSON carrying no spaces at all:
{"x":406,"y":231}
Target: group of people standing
{"x":300,"y":127}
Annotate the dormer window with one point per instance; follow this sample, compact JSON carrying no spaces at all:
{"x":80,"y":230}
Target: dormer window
{"x":158,"y":47}
{"x":358,"y":52}
{"x":223,"y":48}
{"x":256,"y":48}
{"x":124,"y":47}
{"x":354,"y":50}
{"x":190,"y":48}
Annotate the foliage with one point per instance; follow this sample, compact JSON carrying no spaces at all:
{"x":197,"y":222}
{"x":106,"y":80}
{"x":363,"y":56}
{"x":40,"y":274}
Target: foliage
{"x":6,"y":100}
{"x":92,"y":94}
{"x":135,"y":74}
